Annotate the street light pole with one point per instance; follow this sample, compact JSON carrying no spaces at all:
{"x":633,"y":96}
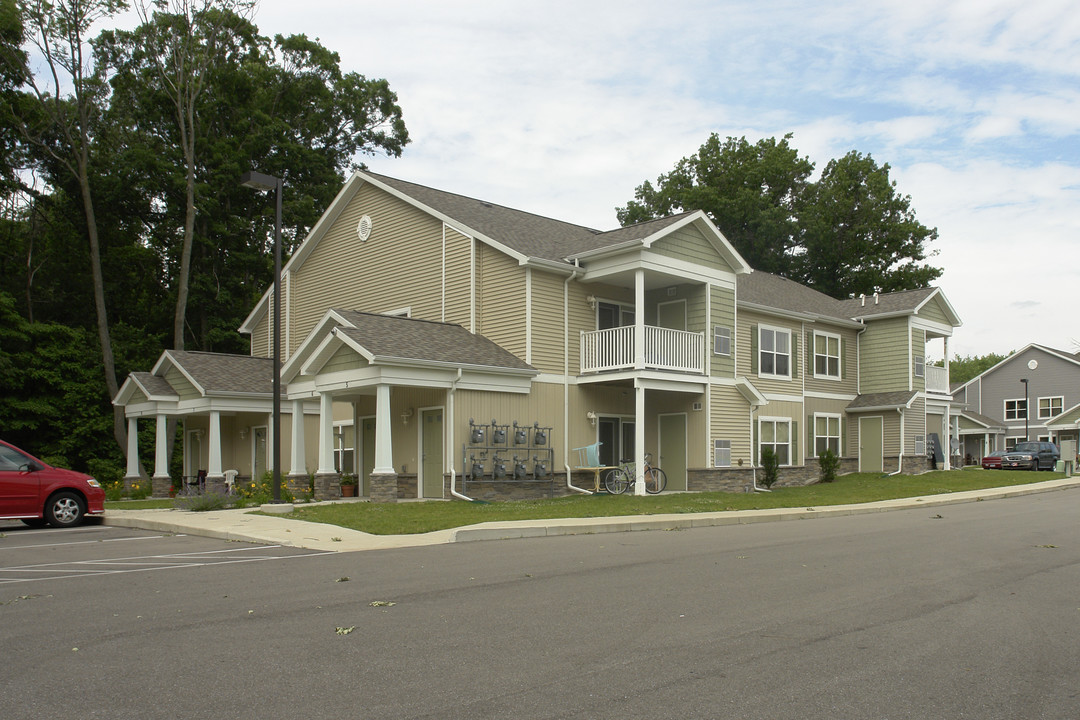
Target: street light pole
{"x":1027,"y":410}
{"x":260,"y":181}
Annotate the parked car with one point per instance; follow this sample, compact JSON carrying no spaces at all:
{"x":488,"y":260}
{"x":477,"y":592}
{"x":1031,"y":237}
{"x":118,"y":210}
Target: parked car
{"x":993,"y":460}
{"x":37,"y":493}
{"x":1031,"y":456}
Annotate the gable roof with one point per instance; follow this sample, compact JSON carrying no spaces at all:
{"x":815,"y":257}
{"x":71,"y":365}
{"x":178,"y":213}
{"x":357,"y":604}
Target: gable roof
{"x":901,"y":302}
{"x":1067,"y":357}
{"x":883,"y":401}
{"x":219,"y":373}
{"x":985,"y":420}
{"x":387,"y":338}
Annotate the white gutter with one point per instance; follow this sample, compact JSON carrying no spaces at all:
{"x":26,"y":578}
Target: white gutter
{"x":566,"y":382}
{"x":450,"y":437}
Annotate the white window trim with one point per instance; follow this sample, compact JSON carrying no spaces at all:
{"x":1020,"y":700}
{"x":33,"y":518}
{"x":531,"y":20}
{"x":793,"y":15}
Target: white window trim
{"x":839,"y":432}
{"x":1052,"y":414}
{"x":717,"y":335}
{"x":776,"y":420}
{"x":1005,"y":409}
{"x":839,"y":356}
{"x":778,"y":330}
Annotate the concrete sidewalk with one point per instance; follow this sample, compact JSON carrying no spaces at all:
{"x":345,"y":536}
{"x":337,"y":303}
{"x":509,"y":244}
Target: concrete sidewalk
{"x":242,"y":525}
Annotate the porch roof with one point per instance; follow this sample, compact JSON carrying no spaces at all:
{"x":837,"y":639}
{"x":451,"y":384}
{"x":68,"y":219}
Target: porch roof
{"x":882,"y":401}
{"x":985,"y":420}
{"x":221,"y":374}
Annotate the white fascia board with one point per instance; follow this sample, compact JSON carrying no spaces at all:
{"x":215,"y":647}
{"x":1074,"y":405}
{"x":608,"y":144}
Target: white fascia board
{"x":816,"y":395}
{"x":657,"y":381}
{"x":226,"y":405}
{"x":796,"y":315}
{"x":931,"y":325}
{"x":388,"y":360}
{"x":555,"y":266}
{"x":167,"y":358}
{"x":749,"y":392}
{"x":150,"y":409}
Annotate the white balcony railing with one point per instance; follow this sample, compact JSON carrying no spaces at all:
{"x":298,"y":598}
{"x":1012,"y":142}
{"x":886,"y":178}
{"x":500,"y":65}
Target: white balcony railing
{"x":937,"y":379}
{"x":665,"y":349}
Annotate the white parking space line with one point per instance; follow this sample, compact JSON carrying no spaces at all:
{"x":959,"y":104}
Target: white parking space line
{"x":85,"y":542}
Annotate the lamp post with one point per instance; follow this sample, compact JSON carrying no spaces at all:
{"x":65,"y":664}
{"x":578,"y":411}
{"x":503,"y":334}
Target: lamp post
{"x":1027,"y":410}
{"x":259,"y":181}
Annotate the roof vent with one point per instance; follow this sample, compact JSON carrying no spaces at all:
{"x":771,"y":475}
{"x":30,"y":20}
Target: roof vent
{"x":862,"y":299}
{"x":875,"y":298}
{"x":363,"y":228}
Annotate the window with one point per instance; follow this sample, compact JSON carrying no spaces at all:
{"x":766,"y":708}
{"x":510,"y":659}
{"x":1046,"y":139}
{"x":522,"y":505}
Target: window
{"x":1050,"y":406}
{"x":826,"y":434}
{"x":721,"y":340}
{"x":920,"y":444}
{"x":343,"y":448}
{"x":1016,"y":409}
{"x":721,"y":453}
{"x":775,"y":435}
{"x":827,"y":355}
{"x":920,"y":366}
{"x":774,"y":352}
{"x":1010,"y":442}
{"x":613,"y":315}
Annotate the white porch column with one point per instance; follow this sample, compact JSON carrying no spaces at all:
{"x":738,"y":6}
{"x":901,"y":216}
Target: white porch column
{"x":384,"y":455}
{"x":213,"y":469}
{"x":161,"y":448}
{"x":326,"y":434}
{"x":132,"y":449}
{"x":639,"y":438}
{"x":299,"y":462}
{"x":639,"y":322}
{"x":357,"y":439}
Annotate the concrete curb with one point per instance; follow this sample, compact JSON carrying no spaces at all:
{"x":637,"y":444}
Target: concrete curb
{"x":242,"y":526}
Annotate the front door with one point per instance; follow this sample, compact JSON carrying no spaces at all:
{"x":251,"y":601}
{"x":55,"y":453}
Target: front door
{"x":367,"y":457}
{"x":672,"y":450}
{"x":871,"y":445}
{"x":432,"y":450}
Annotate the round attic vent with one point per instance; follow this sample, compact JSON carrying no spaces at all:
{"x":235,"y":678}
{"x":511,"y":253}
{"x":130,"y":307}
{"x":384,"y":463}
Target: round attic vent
{"x":363,"y":228}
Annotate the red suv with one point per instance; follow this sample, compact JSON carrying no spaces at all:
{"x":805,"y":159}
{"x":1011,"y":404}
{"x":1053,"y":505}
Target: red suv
{"x":36,"y":493}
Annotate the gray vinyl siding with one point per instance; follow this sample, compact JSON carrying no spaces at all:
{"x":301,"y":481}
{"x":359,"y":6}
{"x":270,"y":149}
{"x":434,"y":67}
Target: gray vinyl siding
{"x":688,"y":244}
{"x":400,"y":265}
{"x":501,"y":299}
{"x":883,"y":356}
{"x":457,"y":306}
{"x":722,"y":313}
{"x":729,"y":414}
{"x":1054,"y":377}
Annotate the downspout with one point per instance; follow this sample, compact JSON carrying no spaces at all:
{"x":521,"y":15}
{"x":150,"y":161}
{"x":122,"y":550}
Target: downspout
{"x":566,"y":381}
{"x":450,"y":438}
{"x":900,"y":458}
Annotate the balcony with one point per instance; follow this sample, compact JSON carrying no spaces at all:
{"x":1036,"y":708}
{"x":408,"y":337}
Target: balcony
{"x":937,"y":379}
{"x":613,"y":349}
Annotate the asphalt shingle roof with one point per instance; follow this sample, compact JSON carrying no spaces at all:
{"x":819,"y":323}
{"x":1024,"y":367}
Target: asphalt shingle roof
{"x":219,"y":373}
{"x":154,"y":385}
{"x":774,"y":291}
{"x":900,"y":398}
{"x":900,"y":301}
{"x":408,"y":338}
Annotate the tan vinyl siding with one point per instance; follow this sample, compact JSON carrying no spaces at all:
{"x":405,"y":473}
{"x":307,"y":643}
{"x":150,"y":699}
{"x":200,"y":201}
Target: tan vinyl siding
{"x":748,"y":325}
{"x":260,"y":338}
{"x":688,"y":244}
{"x":458,"y":255}
{"x":914,"y":424}
{"x":399,"y":266}
{"x":344,"y":359}
{"x":501,"y":300}
{"x":729,"y":415}
{"x":933,"y":310}
{"x":547,"y":323}
{"x":722,"y":313}
{"x":884,"y":356}
{"x":183,"y":388}
{"x":892,"y":433}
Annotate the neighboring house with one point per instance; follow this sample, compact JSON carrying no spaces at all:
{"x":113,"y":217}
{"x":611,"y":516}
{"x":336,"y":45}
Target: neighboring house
{"x":409,"y":313}
{"x":1034,"y":394}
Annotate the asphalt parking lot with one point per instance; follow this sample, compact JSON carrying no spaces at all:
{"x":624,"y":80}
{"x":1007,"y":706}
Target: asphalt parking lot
{"x":34,"y":555}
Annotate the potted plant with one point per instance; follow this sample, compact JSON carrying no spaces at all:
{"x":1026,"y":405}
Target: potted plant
{"x":348,"y":485}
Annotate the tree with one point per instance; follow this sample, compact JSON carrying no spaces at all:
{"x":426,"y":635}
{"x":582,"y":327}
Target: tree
{"x":61,"y":127}
{"x":962,"y":369}
{"x":750,"y":192}
{"x":849,"y":232}
{"x":13,"y":73}
{"x":859,"y":235}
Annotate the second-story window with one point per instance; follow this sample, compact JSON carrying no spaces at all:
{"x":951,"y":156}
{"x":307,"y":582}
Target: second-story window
{"x":774,"y":352}
{"x":721,"y":340}
{"x":613,"y":315}
{"x":1015,"y":409}
{"x":827,"y":356}
{"x":1050,"y":407}
{"x":920,"y":366}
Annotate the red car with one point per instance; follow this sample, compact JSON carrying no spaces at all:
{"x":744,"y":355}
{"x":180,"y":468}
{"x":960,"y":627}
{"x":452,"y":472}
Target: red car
{"x":38,"y":493}
{"x":993,"y":460}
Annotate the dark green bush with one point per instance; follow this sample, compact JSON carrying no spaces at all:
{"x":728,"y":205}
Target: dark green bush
{"x":770,"y":467}
{"x":829,"y":463}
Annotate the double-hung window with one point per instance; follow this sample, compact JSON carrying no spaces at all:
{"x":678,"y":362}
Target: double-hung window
{"x":826,"y":434}
{"x":721,"y":340}
{"x":1016,"y":409}
{"x":827,"y":356}
{"x":774,"y":352}
{"x":1050,"y":407}
{"x":775,"y":434}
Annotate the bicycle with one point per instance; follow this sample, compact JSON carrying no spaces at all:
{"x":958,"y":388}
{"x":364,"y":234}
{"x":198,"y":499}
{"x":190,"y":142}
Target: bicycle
{"x":617,"y":481}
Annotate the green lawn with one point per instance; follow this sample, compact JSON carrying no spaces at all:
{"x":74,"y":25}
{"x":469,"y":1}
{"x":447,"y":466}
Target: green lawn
{"x":408,"y":518}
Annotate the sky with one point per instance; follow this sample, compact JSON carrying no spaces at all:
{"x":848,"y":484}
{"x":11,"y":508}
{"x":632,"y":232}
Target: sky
{"x":564,"y":108}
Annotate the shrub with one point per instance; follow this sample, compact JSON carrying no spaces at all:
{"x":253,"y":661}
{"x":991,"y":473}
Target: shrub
{"x":829,"y":464}
{"x":770,"y":467}
{"x":203,"y":503}
{"x":113,"y":490}
{"x":140,"y":490}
